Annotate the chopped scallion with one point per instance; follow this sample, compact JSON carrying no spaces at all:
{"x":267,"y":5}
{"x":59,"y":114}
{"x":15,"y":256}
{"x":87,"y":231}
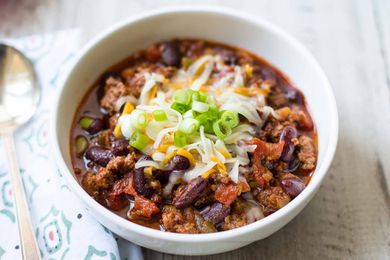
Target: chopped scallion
{"x":220,"y":130}
{"x":86,"y":122}
{"x":181,"y":108}
{"x":139,"y":119}
{"x":182,"y":96}
{"x":159,"y":115}
{"x":189,"y":126}
{"x":179,"y":139}
{"x":206,"y":120}
{"x":81,"y":145}
{"x":204,"y":98}
{"x":230,"y":119}
{"x":200,"y":106}
{"x":138,"y":141}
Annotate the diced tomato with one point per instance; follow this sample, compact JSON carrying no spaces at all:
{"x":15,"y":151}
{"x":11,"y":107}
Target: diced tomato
{"x":264,"y":150}
{"x":144,"y":207}
{"x":124,"y":185}
{"x":272,"y":151}
{"x":116,"y":202}
{"x":226,"y":194}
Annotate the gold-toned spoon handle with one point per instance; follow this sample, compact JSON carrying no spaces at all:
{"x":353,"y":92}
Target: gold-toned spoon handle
{"x":29,"y":245}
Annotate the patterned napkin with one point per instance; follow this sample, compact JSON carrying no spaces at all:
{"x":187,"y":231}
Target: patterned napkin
{"x":63,"y":228}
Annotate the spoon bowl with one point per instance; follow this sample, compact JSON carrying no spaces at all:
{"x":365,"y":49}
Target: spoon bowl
{"x":19,"y":88}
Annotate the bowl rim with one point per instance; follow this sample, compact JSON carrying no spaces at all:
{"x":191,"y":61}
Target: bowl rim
{"x":306,"y":194}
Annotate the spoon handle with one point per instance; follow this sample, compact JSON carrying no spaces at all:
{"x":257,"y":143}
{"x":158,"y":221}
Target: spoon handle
{"x":29,"y":245}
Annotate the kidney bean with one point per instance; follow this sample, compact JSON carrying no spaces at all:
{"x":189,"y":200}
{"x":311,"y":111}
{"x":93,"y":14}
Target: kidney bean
{"x":190,"y":192}
{"x":287,"y":135}
{"x":96,"y":126}
{"x":294,"y":95}
{"x":177,"y":163}
{"x":171,"y":54}
{"x":140,"y":183}
{"x":227,"y":56}
{"x":292,"y":165}
{"x":99,"y":155}
{"x":292,"y":185}
{"x":268,"y":74}
{"x":215,"y":213}
{"x":92,"y":125}
{"x":120,"y":147}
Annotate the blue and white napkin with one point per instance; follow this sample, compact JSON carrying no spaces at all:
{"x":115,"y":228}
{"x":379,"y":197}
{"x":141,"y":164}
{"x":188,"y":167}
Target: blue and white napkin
{"x":63,"y":228}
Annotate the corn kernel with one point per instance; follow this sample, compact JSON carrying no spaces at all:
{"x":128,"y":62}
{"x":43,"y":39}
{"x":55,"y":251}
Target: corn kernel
{"x":248,"y":70}
{"x":118,"y":131}
{"x":153,"y":92}
{"x":148,"y":170}
{"x":128,"y":108}
{"x":203,"y":89}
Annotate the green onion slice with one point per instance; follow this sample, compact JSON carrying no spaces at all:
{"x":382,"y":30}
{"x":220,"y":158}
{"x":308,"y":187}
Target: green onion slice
{"x":181,"y":108}
{"x":81,"y":145}
{"x":182,"y":96}
{"x":220,"y":130}
{"x":230,"y":119}
{"x":179,"y":139}
{"x":207,"y":119}
{"x":200,"y":106}
{"x":86,"y":122}
{"x":204,"y":98}
{"x":139,"y":119}
{"x":189,"y":126}
{"x":159,"y":115}
{"x":195,"y":96}
{"x":138,"y":141}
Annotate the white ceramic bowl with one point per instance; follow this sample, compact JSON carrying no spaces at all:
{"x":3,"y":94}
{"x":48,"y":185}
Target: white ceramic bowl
{"x":221,"y":25}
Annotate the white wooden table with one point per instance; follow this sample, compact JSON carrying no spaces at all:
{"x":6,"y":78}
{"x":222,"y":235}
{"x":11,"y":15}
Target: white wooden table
{"x":350,"y":216}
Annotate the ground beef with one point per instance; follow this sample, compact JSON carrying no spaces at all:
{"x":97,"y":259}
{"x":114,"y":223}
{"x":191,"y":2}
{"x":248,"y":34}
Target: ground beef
{"x":153,"y":53}
{"x":234,"y":221}
{"x":167,"y":72}
{"x":179,"y":221}
{"x":307,"y":153}
{"x":271,"y":131}
{"x":273,"y":197}
{"x":94,"y":182}
{"x":103,"y":179}
{"x":277,"y":98}
{"x":122,"y":164}
{"x":301,"y":118}
{"x":112,"y":121}
{"x":136,"y":84}
{"x":113,"y":90}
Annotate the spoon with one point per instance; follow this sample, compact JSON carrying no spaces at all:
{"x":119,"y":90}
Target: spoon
{"x":19,"y":99}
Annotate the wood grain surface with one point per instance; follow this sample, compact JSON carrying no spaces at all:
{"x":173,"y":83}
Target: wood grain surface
{"x":349,"y":218}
